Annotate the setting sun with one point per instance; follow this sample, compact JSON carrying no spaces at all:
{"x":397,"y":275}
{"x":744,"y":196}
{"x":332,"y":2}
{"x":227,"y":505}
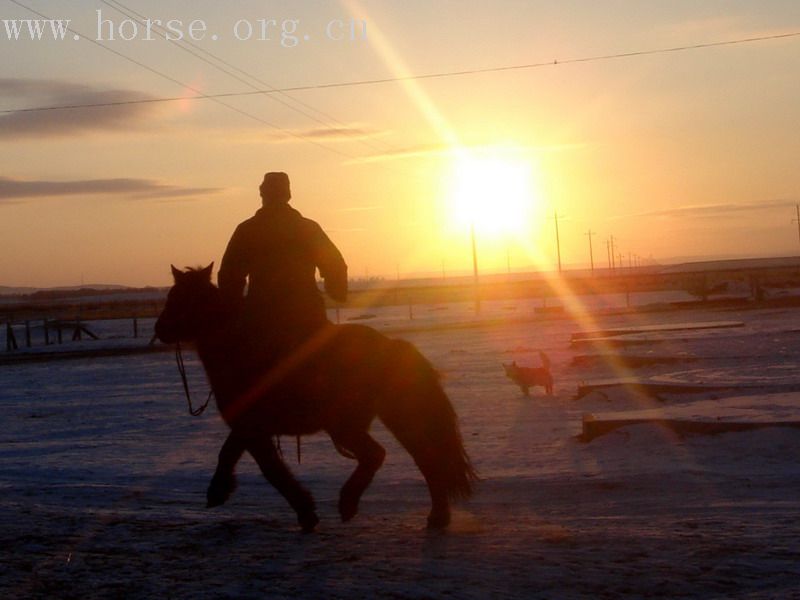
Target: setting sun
{"x":496,"y":191}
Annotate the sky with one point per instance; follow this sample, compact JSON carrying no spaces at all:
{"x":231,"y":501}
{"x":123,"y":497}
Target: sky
{"x":675,"y":154}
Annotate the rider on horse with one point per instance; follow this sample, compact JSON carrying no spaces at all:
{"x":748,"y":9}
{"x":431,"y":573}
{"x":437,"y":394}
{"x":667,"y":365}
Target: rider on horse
{"x":278,"y":367}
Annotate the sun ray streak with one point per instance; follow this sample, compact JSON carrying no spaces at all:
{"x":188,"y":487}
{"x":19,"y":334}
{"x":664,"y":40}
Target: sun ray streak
{"x":464,"y":158}
{"x":412,"y":87}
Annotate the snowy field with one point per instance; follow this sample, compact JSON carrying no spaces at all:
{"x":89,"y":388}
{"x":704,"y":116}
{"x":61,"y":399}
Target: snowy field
{"x":103,"y":476}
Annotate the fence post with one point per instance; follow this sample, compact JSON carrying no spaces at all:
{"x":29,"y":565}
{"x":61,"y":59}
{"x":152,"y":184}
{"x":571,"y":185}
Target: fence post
{"x":59,"y":332}
{"x":11,"y":341}
{"x":27,"y":334}
{"x":46,"y":332}
{"x":410,"y":309}
{"x":135,"y":327}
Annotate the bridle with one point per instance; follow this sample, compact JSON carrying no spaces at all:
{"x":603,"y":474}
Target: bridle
{"x":195,"y":412}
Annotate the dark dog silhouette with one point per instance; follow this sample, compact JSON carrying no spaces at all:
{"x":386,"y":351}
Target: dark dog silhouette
{"x":527,"y":377}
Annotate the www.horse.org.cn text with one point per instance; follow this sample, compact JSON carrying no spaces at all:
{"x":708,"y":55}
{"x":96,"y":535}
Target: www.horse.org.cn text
{"x":285,"y":32}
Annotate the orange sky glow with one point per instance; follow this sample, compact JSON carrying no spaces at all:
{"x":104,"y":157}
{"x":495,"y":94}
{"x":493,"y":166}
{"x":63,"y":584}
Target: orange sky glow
{"x":682,"y":154}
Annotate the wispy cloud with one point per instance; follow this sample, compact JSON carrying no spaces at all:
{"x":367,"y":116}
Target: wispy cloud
{"x":65,"y":122}
{"x":342,"y":133}
{"x":700,"y":211}
{"x":25,"y":189}
{"x":439,"y":150}
{"x":337,"y":132}
{"x":11,"y":87}
{"x":403,"y":153}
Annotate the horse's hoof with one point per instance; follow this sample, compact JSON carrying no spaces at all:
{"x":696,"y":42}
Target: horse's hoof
{"x":438,"y":521}
{"x":308,"y":522}
{"x":219,"y":491}
{"x":347,"y":510}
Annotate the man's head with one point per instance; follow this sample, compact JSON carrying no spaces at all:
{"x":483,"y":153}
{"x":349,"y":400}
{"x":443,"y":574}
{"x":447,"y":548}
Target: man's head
{"x":275,"y":188}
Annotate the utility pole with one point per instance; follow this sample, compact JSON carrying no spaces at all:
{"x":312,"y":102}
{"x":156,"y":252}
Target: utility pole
{"x":797,"y":220}
{"x":558,"y":241}
{"x":608,"y":252}
{"x":613,"y":255}
{"x":590,"y":233}
{"x":475,"y":269}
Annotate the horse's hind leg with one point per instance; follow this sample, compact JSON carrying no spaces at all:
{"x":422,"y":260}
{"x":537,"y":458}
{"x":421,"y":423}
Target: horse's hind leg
{"x":370,"y":455}
{"x":223,"y":483}
{"x":428,"y":458}
{"x":278,"y":474}
{"x":439,"y":517}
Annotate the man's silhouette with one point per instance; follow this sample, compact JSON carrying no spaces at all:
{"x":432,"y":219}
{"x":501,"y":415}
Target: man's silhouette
{"x":277,"y":252}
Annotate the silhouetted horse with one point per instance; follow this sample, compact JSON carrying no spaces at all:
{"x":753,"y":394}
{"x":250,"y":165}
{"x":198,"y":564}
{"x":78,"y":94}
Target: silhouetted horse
{"x":337,"y":382}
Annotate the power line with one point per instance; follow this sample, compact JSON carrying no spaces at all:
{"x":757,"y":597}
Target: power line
{"x":385,"y":80}
{"x":213,"y":97}
{"x":228,"y":67}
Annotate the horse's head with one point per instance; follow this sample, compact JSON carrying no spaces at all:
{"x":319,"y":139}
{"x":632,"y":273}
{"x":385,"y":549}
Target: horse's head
{"x":192,"y":305}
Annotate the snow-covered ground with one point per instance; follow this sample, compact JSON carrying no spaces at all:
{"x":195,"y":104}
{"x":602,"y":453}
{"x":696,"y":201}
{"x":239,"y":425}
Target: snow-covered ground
{"x":103,"y":477}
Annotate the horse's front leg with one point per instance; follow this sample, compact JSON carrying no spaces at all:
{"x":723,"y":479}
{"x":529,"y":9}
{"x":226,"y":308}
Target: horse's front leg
{"x":278,"y":474}
{"x":370,"y":455}
{"x":224,"y":480}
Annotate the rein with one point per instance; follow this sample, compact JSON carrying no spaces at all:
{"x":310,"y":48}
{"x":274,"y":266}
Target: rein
{"x":195,"y":412}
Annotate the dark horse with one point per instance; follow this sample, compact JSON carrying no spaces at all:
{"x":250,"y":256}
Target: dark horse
{"x":338,"y":382}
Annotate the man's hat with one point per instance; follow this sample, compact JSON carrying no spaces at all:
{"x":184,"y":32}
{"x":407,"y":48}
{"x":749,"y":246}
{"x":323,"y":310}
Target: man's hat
{"x":276,"y":187}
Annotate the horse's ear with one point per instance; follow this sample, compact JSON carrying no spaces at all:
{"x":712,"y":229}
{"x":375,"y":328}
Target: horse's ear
{"x":208,"y":270}
{"x":177,"y":274}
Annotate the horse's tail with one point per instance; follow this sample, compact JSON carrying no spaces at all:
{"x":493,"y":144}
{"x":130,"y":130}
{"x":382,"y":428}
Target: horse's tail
{"x":415,"y":408}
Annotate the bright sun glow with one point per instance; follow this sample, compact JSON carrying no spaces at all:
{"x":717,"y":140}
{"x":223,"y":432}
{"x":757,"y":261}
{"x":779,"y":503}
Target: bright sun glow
{"x":496,"y":191}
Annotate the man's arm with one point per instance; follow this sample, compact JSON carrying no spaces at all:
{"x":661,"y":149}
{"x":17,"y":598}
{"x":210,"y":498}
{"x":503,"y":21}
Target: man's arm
{"x":331,"y":266}
{"x":234,"y":269}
